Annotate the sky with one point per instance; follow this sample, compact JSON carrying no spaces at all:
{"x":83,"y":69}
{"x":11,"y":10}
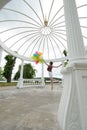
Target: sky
{"x":16,"y":5}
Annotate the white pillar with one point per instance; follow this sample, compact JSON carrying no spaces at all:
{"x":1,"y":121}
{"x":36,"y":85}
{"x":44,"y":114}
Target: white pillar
{"x":72,"y":112}
{"x":0,"y":55}
{"x":76,"y":48}
{"x":20,"y":82}
{"x":43,"y":83}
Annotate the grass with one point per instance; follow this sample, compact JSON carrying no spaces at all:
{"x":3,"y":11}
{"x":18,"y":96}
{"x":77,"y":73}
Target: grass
{"x":4,"y":84}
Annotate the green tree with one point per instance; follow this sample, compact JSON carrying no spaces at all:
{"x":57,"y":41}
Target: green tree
{"x":28,"y":72}
{"x":66,"y":61}
{"x":65,"y":53}
{"x":9,"y":67}
{"x":1,"y":74}
{"x":17,"y":75}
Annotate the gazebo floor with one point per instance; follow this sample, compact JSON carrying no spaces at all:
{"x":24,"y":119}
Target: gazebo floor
{"x":29,"y":108}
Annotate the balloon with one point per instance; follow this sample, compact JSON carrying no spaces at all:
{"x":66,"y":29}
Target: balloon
{"x":37,"y":57}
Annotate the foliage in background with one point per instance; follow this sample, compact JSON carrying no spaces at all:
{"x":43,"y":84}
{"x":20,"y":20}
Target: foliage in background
{"x":17,"y":74}
{"x":5,"y":84}
{"x":28,"y":72}
{"x":65,"y":53}
{"x":9,"y":67}
{"x":66,"y":61}
{"x":1,"y":74}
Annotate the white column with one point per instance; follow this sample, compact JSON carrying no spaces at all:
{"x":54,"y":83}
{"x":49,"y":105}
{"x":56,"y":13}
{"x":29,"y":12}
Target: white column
{"x":76,"y":48}
{"x":43,"y":84}
{"x":0,"y":55}
{"x":72,"y":112}
{"x":20,"y":82}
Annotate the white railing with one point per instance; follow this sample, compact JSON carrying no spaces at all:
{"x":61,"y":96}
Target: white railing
{"x":37,"y":83}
